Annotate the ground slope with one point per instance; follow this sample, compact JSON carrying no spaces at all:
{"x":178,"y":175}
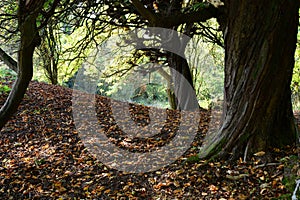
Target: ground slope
{"x":42,"y":157}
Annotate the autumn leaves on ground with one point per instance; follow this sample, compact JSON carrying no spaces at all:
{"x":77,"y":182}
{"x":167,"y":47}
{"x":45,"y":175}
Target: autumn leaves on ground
{"x":43,"y":157}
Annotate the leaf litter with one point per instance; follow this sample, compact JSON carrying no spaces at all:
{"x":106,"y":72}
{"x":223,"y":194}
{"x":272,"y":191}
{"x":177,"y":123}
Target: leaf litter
{"x":43,"y":157}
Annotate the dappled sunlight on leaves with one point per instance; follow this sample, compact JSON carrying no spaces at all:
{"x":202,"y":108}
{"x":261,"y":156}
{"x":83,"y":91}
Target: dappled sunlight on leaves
{"x":43,"y":157}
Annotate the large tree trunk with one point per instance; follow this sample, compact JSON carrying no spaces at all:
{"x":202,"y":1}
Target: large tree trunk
{"x":29,"y":40}
{"x":260,"y":39}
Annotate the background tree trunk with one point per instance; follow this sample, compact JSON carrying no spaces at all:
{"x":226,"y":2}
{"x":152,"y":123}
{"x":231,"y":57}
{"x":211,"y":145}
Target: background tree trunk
{"x":182,"y":80}
{"x":49,"y":50}
{"x":260,"y":41}
{"x":170,"y":88}
{"x":184,"y":92}
{"x":29,"y":40}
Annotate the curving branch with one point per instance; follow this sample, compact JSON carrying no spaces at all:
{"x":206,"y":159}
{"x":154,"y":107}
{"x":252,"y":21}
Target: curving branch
{"x":8,"y":60}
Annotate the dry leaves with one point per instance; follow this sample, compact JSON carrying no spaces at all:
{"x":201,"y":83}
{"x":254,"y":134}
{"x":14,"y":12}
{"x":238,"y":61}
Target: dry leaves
{"x":42,"y":157}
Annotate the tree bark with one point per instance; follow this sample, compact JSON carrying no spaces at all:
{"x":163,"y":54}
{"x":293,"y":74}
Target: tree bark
{"x":29,"y":40}
{"x":260,"y":41}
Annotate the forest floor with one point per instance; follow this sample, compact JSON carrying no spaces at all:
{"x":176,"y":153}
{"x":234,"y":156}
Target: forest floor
{"x":42,"y":156}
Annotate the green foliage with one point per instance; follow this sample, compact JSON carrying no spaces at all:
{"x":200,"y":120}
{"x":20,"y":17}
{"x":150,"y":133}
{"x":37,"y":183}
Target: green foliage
{"x":117,"y":78}
{"x":48,"y":4}
{"x":137,"y":88}
{"x":291,"y":166}
{"x":69,"y":60}
{"x":193,"y":159}
{"x":39,"y":161}
{"x":6,"y":73}
{"x":199,"y":6}
{"x":150,"y":94}
{"x":4,"y":89}
{"x":295,"y":85}
{"x":206,"y":64}
{"x":283,"y":197}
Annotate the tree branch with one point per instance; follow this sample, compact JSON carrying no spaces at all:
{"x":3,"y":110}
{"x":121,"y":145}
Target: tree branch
{"x":164,"y":74}
{"x":197,"y":16}
{"x":8,"y":60}
{"x":146,"y":13}
{"x":154,"y":19}
{"x":50,"y":13}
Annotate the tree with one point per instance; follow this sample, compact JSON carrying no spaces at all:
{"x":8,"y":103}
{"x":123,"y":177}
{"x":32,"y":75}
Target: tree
{"x":98,"y":17}
{"x":259,"y":48}
{"x":168,"y":14}
{"x":50,"y":50}
{"x":106,"y":16}
{"x":8,"y":30}
{"x":28,"y":12}
{"x":260,"y":42}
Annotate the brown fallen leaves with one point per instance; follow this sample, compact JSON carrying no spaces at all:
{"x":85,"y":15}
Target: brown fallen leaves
{"x":42,"y":157}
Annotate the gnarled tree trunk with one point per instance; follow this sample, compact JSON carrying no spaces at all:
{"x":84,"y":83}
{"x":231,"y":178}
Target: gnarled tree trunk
{"x":260,"y":40}
{"x":29,"y":40}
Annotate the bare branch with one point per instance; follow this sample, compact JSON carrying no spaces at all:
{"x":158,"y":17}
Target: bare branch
{"x":8,"y":60}
{"x":146,"y":13}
